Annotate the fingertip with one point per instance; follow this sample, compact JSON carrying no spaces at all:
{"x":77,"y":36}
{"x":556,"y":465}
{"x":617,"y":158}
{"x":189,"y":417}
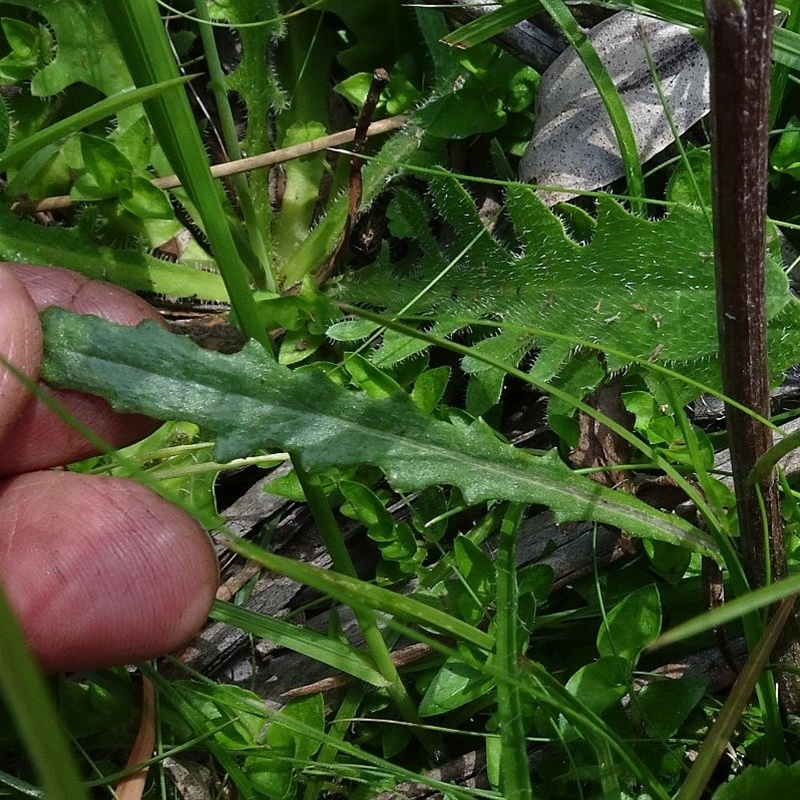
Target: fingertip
{"x":51,"y":286}
{"x":39,"y":438}
{"x":20,"y":346}
{"x":102,"y":571}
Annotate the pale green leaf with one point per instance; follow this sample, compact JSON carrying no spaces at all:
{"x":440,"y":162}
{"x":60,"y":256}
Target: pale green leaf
{"x":640,"y":287}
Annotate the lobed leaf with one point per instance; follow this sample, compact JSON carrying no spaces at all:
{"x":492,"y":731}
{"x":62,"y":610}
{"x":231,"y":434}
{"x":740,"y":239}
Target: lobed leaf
{"x":251,"y":403}
{"x":640,"y":287}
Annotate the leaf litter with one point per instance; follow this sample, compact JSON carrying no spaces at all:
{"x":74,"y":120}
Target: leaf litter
{"x":573,"y":142}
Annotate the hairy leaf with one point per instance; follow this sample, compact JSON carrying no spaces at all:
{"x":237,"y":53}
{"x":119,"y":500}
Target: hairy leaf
{"x":250,"y":403}
{"x":85,"y":50}
{"x":74,"y":248}
{"x":642,"y":287}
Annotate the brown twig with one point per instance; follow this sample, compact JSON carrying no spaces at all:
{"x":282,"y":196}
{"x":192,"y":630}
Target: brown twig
{"x":240,"y":165}
{"x":354,"y":187}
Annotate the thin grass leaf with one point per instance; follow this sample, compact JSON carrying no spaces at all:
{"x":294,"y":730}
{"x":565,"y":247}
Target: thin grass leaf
{"x":22,"y":150}
{"x":305,"y":641}
{"x":27,"y":696}
{"x":786,"y":43}
{"x":216,"y":75}
{"x":547,"y":690}
{"x":144,"y":44}
{"x":491,"y":23}
{"x":608,"y":92}
{"x":719,"y":736}
{"x":515,"y":773}
{"x":732,"y":610}
{"x":358,"y":594}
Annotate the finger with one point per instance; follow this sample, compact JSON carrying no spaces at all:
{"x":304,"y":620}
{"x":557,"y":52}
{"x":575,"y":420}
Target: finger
{"x":101,"y":571}
{"x":20,"y":345}
{"x":40,"y":439}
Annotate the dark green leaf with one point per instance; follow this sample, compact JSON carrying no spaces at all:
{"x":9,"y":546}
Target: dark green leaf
{"x":762,"y":783}
{"x":665,"y":704}
{"x":453,"y":686}
{"x":600,"y":684}
{"x":631,"y":625}
{"x":251,"y":403}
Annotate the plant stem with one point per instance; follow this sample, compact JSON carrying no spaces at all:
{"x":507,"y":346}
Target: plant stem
{"x":740,"y":38}
{"x":373,"y":638}
{"x":231,"y":141}
{"x":145,"y":47}
{"x":515,"y":772}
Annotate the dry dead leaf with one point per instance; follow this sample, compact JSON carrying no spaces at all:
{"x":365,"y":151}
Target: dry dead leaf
{"x":573,"y":143}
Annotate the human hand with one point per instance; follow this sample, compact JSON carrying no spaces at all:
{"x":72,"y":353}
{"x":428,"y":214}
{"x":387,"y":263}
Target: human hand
{"x":99,"y":570}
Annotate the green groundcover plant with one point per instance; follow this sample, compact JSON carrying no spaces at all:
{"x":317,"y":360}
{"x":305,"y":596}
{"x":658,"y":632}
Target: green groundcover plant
{"x":400,"y":307}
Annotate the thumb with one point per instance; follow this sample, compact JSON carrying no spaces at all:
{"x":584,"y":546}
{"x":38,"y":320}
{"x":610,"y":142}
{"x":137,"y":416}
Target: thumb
{"x":101,"y":571}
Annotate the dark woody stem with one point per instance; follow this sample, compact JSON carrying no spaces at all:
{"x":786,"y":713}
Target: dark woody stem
{"x":740,"y":47}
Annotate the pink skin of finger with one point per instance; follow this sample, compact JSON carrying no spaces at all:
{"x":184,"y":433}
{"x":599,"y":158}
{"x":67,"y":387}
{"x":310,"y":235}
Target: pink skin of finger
{"x":36,"y":423}
{"x":100,"y":571}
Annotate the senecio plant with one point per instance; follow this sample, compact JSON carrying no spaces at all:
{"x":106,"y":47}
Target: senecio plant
{"x":369,"y":418}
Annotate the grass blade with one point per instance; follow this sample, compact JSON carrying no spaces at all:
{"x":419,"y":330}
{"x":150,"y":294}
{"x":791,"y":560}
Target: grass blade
{"x":608,"y":92}
{"x":143,"y":42}
{"x":515,"y":774}
{"x":26,"y":694}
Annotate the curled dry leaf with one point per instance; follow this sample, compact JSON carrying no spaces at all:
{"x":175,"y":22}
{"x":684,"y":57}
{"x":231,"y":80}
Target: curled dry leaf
{"x":573,"y":142}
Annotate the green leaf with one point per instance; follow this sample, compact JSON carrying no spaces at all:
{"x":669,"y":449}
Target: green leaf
{"x":251,"y":403}
{"x":351,"y":330}
{"x":492,"y":23}
{"x":631,"y":625}
{"x":355,"y":88}
{"x":135,"y":141}
{"x":429,"y":388}
{"x":640,"y":287}
{"x":368,"y":377}
{"x":144,"y":200}
{"x":31,"y":145}
{"x":85,"y":51}
{"x":30,"y":49}
{"x":475,"y":568}
{"x":106,"y":165}
{"x":29,"y":243}
{"x":665,"y":704}
{"x":761,"y":783}
{"x":365,"y":506}
{"x":464,"y":113}
{"x":273,"y":771}
{"x":454,"y":685}
{"x":785,"y":156}
{"x":600,"y":684}
{"x":340,"y":656}
{"x":668,"y":561}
